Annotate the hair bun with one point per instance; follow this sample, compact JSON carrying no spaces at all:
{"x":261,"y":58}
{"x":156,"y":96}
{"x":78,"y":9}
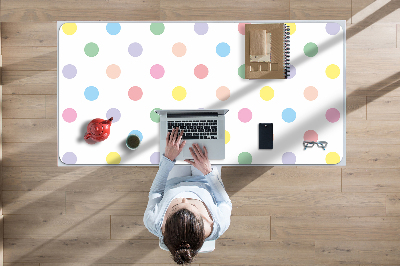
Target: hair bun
{"x":184,"y":246}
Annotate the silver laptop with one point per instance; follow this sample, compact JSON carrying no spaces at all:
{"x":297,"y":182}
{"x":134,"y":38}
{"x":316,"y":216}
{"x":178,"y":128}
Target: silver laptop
{"x":205,"y":127}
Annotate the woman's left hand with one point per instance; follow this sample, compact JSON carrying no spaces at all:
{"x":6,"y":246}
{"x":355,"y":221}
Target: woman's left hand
{"x":173,"y":148}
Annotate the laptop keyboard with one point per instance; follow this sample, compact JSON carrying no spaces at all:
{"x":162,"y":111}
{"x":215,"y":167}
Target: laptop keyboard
{"x":195,"y":129}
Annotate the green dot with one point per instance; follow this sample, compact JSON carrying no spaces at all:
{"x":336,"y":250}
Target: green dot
{"x":91,"y":49}
{"x":241,"y":71}
{"x":244,"y":158}
{"x":157,"y":28}
{"x":310,"y":49}
{"x":154,"y":116}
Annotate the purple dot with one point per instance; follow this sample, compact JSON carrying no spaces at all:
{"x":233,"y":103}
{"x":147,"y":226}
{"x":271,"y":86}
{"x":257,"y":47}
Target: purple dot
{"x":332,"y":28}
{"x":155,"y":158}
{"x":69,"y":158}
{"x":114,"y":113}
{"x":135,"y":49}
{"x":69,"y":71}
{"x":201,"y":28}
{"x":292,"y":72}
{"x":332,"y":115}
{"x":288,"y":158}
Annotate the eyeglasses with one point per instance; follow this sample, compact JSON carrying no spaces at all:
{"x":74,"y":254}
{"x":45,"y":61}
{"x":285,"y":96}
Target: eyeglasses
{"x":309,"y":144}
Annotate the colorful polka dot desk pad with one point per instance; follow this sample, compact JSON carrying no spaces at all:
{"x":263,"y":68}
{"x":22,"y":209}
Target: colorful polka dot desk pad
{"x":128,"y":70}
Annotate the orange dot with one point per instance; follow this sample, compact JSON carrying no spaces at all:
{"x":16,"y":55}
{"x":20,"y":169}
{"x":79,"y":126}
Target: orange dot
{"x":113,"y":71}
{"x":310,"y":93}
{"x":179,"y":49}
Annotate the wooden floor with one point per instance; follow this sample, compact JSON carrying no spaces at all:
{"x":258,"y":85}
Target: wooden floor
{"x":281,"y":215}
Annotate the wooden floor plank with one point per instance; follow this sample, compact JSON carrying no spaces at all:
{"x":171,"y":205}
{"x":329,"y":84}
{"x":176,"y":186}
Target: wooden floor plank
{"x":21,"y":264}
{"x":51,"y":226}
{"x":30,"y":58}
{"x":30,"y":154}
{"x":369,"y":12}
{"x":24,"y":106}
{"x":363,"y":252}
{"x":373,"y":84}
{"x":383,"y":108}
{"x":384,"y":36}
{"x":70,"y":10}
{"x":387,"y":58}
{"x":241,"y":227}
{"x":223,"y":10}
{"x":29,"y":34}
{"x":33,"y":202}
{"x":373,"y":132}
{"x":356,"y":108}
{"x":111,"y":264}
{"x":335,"y":228}
{"x":372,"y":156}
{"x":393,"y":204}
{"x":51,"y":106}
{"x":371,"y":180}
{"x":30,"y":82}
{"x":300,"y":9}
{"x":40,"y":130}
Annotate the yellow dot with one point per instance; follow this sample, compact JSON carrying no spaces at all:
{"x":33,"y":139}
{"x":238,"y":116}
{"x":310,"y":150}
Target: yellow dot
{"x":332,"y":71}
{"x":113,"y":158}
{"x":179,"y":93}
{"x":227,"y":137}
{"x":69,"y":28}
{"x":267,"y":93}
{"x":292,"y":27}
{"x":332,"y":158}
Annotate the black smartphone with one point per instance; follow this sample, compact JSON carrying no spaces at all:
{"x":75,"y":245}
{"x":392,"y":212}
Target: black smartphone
{"x":265,"y":136}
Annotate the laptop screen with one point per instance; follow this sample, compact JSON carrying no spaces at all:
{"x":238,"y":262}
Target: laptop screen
{"x":196,"y":114}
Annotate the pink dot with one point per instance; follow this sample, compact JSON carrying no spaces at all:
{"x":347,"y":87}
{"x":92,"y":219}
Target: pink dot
{"x":242,"y":28}
{"x":135,"y":93}
{"x":244,"y":115}
{"x":69,"y":115}
{"x":332,"y":115}
{"x":310,"y":135}
{"x":157,"y":71}
{"x":201,"y":71}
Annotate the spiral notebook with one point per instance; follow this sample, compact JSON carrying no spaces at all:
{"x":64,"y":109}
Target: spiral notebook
{"x":267,"y":51}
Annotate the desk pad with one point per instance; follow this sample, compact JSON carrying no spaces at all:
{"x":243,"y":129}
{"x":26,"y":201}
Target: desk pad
{"x":128,"y":70}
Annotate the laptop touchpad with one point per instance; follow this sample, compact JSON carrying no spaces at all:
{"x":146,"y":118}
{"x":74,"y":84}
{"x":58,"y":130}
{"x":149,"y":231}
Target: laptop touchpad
{"x":187,"y":153}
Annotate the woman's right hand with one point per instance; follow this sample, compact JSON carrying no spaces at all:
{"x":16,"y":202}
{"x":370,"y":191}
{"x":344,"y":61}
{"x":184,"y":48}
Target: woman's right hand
{"x":201,"y":161}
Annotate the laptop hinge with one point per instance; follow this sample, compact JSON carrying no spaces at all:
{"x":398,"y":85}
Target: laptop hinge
{"x":192,"y":114}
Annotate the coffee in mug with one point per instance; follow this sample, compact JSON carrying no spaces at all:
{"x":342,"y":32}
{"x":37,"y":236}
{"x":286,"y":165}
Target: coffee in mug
{"x":132,"y":141}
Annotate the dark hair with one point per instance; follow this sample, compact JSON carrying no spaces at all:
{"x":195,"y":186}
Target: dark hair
{"x":184,"y":235}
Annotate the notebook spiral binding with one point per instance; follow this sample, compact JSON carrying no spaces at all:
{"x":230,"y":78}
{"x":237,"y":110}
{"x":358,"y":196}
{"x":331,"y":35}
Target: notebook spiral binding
{"x":286,"y":51}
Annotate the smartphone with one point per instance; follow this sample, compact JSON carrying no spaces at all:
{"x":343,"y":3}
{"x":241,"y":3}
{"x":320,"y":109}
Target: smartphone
{"x":265,"y":136}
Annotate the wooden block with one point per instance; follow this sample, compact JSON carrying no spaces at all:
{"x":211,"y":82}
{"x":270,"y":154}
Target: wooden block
{"x":148,"y":251}
{"x":30,"y":58}
{"x":282,"y":179}
{"x":29,"y":34}
{"x":24,"y":106}
{"x":368,"y":252}
{"x":30,"y":154}
{"x":335,"y":228}
{"x":308,"y":203}
{"x":64,"y":10}
{"x":383,"y":108}
{"x":223,"y":10}
{"x":50,"y":226}
{"x":30,"y":82}
{"x":33,"y":202}
{"x":356,"y":108}
{"x":393,"y":204}
{"x":373,"y":84}
{"x":371,"y":180}
{"x":373,"y":132}
{"x":372,"y":156}
{"x":110,"y":203}
{"x":361,"y":37}
{"x":40,"y":130}
{"x":78,"y":178}
{"x":318,"y":10}
{"x":51,"y":107}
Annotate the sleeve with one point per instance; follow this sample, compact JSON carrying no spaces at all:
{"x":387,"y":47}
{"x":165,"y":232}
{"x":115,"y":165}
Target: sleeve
{"x":156,"y":194}
{"x":224,"y":204}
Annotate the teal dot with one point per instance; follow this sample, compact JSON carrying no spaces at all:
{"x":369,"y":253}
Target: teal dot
{"x":91,"y":49}
{"x":223,"y":49}
{"x":288,"y":115}
{"x":244,"y":158}
{"x":113,"y":28}
{"x":310,"y":49}
{"x":137,"y":133}
{"x":241,"y":71}
{"x":154,"y":116}
{"x":91,"y":93}
{"x":157,"y":28}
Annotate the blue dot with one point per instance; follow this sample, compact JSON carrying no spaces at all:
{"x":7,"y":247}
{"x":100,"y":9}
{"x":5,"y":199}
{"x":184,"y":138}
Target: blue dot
{"x":138,"y":133}
{"x":223,"y":49}
{"x":113,"y":28}
{"x":91,"y":93}
{"x":288,"y":115}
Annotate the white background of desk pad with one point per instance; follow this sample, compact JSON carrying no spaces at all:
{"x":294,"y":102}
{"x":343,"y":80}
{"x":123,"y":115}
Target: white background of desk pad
{"x":201,"y":93}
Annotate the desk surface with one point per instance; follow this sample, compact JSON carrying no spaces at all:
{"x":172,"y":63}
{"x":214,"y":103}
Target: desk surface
{"x":127,"y":70}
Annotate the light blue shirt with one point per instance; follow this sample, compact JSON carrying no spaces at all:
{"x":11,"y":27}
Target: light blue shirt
{"x":212,"y":193}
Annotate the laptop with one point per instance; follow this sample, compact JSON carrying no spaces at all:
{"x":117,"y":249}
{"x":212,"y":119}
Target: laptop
{"x":206,"y":127}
